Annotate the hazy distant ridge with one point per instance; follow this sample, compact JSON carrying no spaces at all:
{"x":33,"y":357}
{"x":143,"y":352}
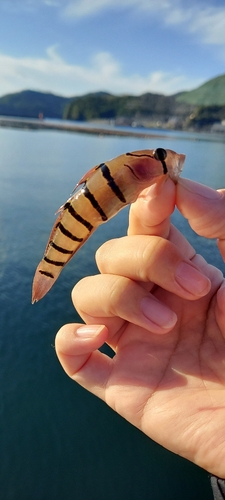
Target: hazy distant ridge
{"x":29,"y":104}
{"x":209,"y":97}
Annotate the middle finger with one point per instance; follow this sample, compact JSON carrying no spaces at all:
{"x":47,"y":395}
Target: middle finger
{"x":154,"y":260}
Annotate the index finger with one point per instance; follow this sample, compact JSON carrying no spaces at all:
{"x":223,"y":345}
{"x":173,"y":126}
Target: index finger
{"x":204,"y":208}
{"x":150,"y":214}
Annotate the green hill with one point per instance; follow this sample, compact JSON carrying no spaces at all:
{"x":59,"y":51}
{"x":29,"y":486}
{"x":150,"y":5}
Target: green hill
{"x":210,"y":93}
{"x":198,"y":108}
{"x":29,"y":104}
{"x":108,"y":106}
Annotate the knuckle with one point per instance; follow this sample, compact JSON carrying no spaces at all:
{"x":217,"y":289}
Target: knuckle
{"x":119,"y":292}
{"x":80,"y":291}
{"x":159,"y":260}
{"x":102,"y":255}
{"x":152,"y":256}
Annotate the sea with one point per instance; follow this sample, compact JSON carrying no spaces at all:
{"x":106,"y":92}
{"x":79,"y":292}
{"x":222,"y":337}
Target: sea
{"x":57,"y":441}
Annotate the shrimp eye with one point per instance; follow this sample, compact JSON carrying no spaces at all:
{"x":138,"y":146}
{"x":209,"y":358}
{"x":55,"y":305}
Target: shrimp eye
{"x":160,"y":154}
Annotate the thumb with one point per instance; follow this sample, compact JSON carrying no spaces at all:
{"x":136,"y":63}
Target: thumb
{"x":77,"y":350}
{"x":150,"y":214}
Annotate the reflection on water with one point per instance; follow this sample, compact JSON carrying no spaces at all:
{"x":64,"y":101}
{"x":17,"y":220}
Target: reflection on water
{"x":57,"y":441}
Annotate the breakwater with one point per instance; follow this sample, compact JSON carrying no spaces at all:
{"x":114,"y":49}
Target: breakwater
{"x":87,"y":128}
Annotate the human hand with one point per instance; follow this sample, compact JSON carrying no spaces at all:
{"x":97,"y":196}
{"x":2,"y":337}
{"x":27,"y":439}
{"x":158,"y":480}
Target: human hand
{"x":168,"y":374}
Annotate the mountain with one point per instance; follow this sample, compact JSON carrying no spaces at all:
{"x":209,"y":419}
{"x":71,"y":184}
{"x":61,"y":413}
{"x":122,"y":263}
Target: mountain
{"x":151,"y":106}
{"x":108,"y":106}
{"x":210,"y":93}
{"x":197,"y":108}
{"x":30,"y":104}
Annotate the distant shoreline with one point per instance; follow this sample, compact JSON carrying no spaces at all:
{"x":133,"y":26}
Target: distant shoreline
{"x":96,"y":129}
{"x":37,"y":124}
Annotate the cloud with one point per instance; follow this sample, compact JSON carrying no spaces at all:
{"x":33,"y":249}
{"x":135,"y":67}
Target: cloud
{"x":204,"y":19}
{"x":52,"y":73}
{"x":51,"y":3}
{"x":201,"y":18}
{"x":210,"y":25}
{"x":82,"y":8}
{"x":14,"y":6}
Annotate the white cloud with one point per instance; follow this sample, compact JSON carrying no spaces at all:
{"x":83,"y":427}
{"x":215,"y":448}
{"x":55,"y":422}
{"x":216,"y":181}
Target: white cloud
{"x":51,"y":3}
{"x":30,"y":5}
{"x":210,"y":25}
{"x":206,"y":21}
{"x":82,"y":8}
{"x":52,"y":73}
{"x":203,"y":19}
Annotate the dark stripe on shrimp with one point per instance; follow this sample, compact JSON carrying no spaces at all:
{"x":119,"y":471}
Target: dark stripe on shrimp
{"x":68,"y":233}
{"x":49,"y":275}
{"x":78,"y":217}
{"x":131,"y":169}
{"x":165,"y":169}
{"x":54,"y":262}
{"x":111,"y":183}
{"x":162,"y":160}
{"x":140,"y":156}
{"x":136,"y":156}
{"x":60,"y":249}
{"x":94,"y":203}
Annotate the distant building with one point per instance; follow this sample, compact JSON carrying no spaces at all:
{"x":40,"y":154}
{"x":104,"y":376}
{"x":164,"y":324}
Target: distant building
{"x":218,"y":127}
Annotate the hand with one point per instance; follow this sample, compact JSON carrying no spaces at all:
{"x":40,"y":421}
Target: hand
{"x":168,"y":373}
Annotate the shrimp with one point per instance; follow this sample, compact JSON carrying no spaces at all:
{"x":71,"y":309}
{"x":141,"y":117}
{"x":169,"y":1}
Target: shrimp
{"x":99,"y":196}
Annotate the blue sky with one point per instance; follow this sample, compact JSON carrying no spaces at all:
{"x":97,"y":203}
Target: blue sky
{"x":71,"y":47}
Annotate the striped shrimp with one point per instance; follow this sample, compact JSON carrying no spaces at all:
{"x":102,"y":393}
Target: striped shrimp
{"x":101,"y":194}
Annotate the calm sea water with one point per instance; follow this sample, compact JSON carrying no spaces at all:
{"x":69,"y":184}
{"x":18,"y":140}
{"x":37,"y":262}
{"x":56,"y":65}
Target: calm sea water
{"x":58,"y":442}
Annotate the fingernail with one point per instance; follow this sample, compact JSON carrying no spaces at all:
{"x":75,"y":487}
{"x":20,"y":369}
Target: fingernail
{"x":200,"y":189}
{"x":88,"y":331}
{"x":155,"y":189}
{"x":157,"y":313}
{"x":192,"y":280}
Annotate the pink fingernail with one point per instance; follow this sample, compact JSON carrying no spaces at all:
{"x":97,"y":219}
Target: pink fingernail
{"x":155,"y":189}
{"x":156,"y":312}
{"x":88,"y":331}
{"x":192,"y":280}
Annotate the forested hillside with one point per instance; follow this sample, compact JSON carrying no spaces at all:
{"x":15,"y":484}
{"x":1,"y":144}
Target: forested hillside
{"x":210,"y":94}
{"x":30,"y":104}
{"x":199,"y":108}
{"x":103,"y":105}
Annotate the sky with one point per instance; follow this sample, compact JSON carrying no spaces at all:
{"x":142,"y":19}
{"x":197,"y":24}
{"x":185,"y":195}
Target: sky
{"x":72,"y":47}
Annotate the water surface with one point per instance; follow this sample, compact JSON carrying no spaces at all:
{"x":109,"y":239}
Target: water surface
{"x":58,"y":442}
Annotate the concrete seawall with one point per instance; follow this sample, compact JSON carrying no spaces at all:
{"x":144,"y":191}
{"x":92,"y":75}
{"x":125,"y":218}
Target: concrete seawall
{"x":36,"y":124}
